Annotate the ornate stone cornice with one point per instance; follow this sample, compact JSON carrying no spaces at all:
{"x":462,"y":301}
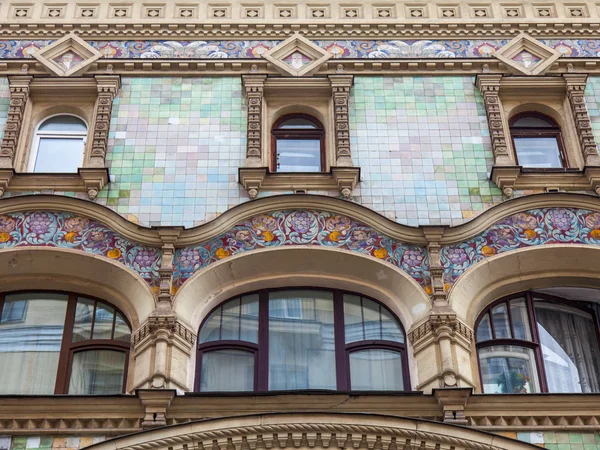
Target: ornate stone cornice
{"x":439,"y":326}
{"x":168,"y":324}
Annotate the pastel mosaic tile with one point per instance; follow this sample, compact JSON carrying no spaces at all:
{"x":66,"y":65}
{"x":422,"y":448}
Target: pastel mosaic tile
{"x":174,"y":150}
{"x":4,"y":103}
{"x":423,"y":147}
{"x":52,"y":442}
{"x":558,"y":440}
{"x":592,"y":100}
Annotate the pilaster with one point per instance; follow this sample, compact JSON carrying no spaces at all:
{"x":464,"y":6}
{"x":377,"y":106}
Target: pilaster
{"x":254,"y":86}
{"x":19,"y":94}
{"x":575,"y":84}
{"x":340,"y":86}
{"x":108,"y":87}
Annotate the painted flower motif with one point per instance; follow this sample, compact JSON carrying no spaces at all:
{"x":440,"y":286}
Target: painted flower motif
{"x":40,"y":222}
{"x":189,"y":257}
{"x":264,"y":222}
{"x":560,"y":219}
{"x":243,"y":237}
{"x":76,"y":224}
{"x":592,"y":221}
{"x":524,"y":221}
{"x":338,"y":223}
{"x":96,"y":238}
{"x":268,"y":236}
{"x":361,"y":238}
{"x":300,"y":221}
{"x":4,"y":237}
{"x":145,"y":258}
{"x":457,"y":256}
{"x":71,"y":237}
{"x":503,"y":237}
{"x":7,"y":224}
{"x":334,"y":236}
{"x":488,"y":251}
{"x":530,"y":234}
{"x":380,"y":253}
{"x":337,"y":50}
{"x":595,"y":233}
{"x":115,"y":253}
{"x":412,"y":258}
{"x":222,"y":253}
{"x":257,"y":51}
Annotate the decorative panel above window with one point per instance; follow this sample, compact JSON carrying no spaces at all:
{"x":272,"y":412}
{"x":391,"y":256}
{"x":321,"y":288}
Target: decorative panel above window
{"x":55,"y":343}
{"x":301,"y":339}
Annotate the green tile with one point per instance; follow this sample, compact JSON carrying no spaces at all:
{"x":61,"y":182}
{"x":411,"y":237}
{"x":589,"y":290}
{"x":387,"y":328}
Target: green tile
{"x":575,"y":438}
{"x":562,"y":438}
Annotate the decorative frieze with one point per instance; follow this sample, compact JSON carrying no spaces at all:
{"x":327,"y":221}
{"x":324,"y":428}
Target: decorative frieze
{"x":340,"y":86}
{"x":19,"y":94}
{"x":108,"y":87}
{"x":575,"y":92}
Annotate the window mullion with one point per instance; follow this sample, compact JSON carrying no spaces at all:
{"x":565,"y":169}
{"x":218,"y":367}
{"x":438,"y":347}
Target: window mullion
{"x":61,"y":386}
{"x":538,"y":348}
{"x":339,"y":338}
{"x":262,"y":372}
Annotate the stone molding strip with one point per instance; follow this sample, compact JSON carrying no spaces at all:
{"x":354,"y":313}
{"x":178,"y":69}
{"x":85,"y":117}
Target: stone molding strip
{"x":225,"y":222}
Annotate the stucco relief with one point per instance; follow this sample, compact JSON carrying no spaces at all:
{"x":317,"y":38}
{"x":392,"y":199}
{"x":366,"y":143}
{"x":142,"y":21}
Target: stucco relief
{"x":525,"y":229}
{"x":282,"y":228}
{"x":66,"y":230}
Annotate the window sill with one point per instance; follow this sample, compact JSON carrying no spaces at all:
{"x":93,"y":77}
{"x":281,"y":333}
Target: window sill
{"x":343,"y":179}
{"x":510,"y":178}
{"x":87,"y":179}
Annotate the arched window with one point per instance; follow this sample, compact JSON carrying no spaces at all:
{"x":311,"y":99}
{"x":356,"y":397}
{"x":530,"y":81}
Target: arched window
{"x":537,"y":141}
{"x":533,"y":342}
{"x":58,"y":145}
{"x":301,"y":339}
{"x":298,"y":144}
{"x":55,"y":343}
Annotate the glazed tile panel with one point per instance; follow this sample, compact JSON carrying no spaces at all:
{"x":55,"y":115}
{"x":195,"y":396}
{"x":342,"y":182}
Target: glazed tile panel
{"x":4,"y":103}
{"x":284,"y":228}
{"x":423,"y":147}
{"x":558,"y":440}
{"x":592,"y":100}
{"x":175,"y":146}
{"x":526,"y":229}
{"x":65,"y":230}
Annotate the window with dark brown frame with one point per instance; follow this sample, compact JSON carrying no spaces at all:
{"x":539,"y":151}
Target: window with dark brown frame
{"x":532,"y":342}
{"x":61,"y":343}
{"x":301,"y":339}
{"x":537,"y":141}
{"x":298,"y":144}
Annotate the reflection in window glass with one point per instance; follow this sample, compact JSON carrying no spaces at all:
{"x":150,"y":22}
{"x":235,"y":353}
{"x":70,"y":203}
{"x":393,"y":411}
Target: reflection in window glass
{"x":235,"y":320}
{"x":520,"y":319}
{"x":103,"y":322}
{"x":301,"y":344}
{"x":508,"y":369}
{"x":484,"y":330}
{"x":501,"y":324}
{"x":97,"y":372}
{"x":298,"y":155}
{"x":538,"y":152}
{"x":84,"y":314}
{"x":122,"y":331}
{"x":227,"y":371}
{"x":365,"y":319}
{"x":571,"y":354}
{"x":30,"y":348}
{"x":59,"y":145}
{"x":376,"y":370}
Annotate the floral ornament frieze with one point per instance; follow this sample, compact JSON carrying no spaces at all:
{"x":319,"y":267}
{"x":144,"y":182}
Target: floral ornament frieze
{"x":230,"y":49}
{"x":306,"y":228}
{"x":526,"y":229}
{"x":66,"y":230}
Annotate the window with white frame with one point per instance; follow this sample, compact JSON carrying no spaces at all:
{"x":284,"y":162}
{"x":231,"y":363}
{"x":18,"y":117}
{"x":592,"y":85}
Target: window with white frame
{"x":58,"y":145}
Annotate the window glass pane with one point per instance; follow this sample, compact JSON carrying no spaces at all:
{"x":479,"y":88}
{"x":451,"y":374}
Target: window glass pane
{"x":227,"y":371}
{"x":484,"y":330}
{"x":298,"y":155}
{"x":122,"y":330}
{"x":230,"y":320}
{"x":520,"y":319}
{"x":569,"y":347}
{"x":533,"y":122}
{"x":501,"y":324}
{"x":97,"y":372}
{"x":210,"y":330}
{"x":249,"y":319}
{"x":372,"y":323}
{"x":30,"y":347}
{"x":353,"y":322}
{"x":64,"y":124}
{"x":103,"y":323}
{"x":390,"y":328}
{"x":59,"y":155}
{"x":538,"y":152}
{"x":82,"y":328}
{"x":298,"y":123}
{"x":365,"y":319}
{"x":376,"y":370}
{"x":508,"y":369}
{"x":301,"y":340}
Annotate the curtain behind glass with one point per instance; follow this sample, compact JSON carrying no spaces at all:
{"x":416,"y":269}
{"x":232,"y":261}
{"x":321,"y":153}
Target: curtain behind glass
{"x":508,"y":369}
{"x":376,"y":370}
{"x":301,"y":340}
{"x":97,"y":372}
{"x":30,"y":342}
{"x":570,"y":348}
{"x":227,"y":371}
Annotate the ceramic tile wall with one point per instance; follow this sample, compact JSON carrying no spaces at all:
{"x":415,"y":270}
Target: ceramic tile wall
{"x":558,"y":440}
{"x":424,"y":149}
{"x":174,"y":150}
{"x":592,"y":99}
{"x":4,"y":103}
{"x":49,"y":442}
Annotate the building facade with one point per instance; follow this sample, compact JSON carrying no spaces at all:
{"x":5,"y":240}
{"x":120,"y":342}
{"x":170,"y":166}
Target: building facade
{"x":256,"y":225}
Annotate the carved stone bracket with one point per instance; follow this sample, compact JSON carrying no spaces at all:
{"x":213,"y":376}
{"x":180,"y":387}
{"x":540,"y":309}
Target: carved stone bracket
{"x":489,"y":85}
{"x":108,"y":87}
{"x":155,"y":404}
{"x":575,"y":84}
{"x":340,"y":86}
{"x":169,"y":237}
{"x":19,"y":94}
{"x":438,"y":292}
{"x":254,"y":86}
{"x":453,"y":402}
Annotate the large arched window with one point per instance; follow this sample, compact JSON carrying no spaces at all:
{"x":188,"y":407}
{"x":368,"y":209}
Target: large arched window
{"x":534,"y":342}
{"x":58,"y":145}
{"x":537,"y":141}
{"x":55,"y":343}
{"x":298,"y":144}
{"x":301,"y":339}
